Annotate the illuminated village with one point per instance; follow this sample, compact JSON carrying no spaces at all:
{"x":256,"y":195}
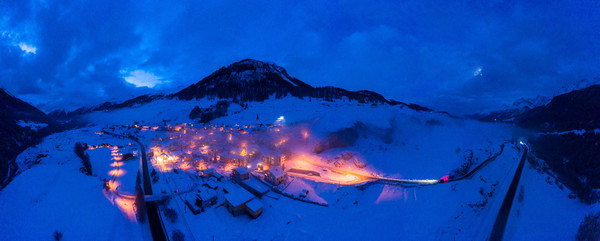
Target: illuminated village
{"x":235,"y":166}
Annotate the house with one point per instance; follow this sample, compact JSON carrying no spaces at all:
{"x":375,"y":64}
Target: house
{"x":273,"y":159}
{"x":240,"y":173}
{"x":239,"y":201}
{"x":254,"y":186}
{"x":276,"y":176}
{"x":206,"y":198}
{"x":207,"y":172}
{"x":186,"y":199}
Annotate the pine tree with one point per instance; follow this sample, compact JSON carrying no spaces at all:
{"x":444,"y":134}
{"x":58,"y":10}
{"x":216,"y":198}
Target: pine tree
{"x":140,"y":204}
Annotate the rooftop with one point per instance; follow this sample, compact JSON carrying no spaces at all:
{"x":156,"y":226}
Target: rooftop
{"x":241,"y":170}
{"x":254,"y":205}
{"x":206,"y":193}
{"x":256,"y":185}
{"x":239,"y":196}
{"x":277,"y":171}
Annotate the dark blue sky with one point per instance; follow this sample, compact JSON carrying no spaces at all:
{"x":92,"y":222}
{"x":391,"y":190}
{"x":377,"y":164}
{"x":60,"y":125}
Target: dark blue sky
{"x":457,"y":56}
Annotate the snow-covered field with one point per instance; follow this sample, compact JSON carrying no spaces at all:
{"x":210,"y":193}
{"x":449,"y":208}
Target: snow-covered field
{"x":55,"y":196}
{"x":394,"y":142}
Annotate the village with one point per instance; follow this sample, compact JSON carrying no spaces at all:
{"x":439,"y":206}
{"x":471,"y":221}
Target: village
{"x":238,"y":166}
{"x":196,"y":167}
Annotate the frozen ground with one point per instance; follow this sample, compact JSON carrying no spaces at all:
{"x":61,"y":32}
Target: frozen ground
{"x":54,"y":195}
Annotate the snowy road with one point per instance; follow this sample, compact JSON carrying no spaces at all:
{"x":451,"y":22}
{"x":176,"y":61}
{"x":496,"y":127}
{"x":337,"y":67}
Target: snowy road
{"x":502,"y":218}
{"x":156,"y":224}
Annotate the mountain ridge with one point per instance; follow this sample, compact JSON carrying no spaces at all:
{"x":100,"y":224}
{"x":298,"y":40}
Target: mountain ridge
{"x":247,"y":80}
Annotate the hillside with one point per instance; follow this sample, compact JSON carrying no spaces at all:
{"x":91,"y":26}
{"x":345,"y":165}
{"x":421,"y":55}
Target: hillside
{"x":21,"y":126}
{"x":253,"y":80}
{"x":568,"y":136}
{"x":575,"y":110}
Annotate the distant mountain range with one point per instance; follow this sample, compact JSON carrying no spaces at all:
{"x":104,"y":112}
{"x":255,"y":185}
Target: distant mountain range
{"x":575,"y":110}
{"x":579,"y":109}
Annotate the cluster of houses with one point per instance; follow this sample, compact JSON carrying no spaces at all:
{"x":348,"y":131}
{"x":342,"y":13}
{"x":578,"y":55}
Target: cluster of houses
{"x":243,"y":198}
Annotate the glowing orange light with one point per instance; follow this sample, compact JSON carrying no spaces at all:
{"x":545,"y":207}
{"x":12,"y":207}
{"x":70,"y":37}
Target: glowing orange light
{"x":117,"y":172}
{"x":126,"y":206}
{"x":281,"y":142}
{"x":116,"y":164}
{"x":184,"y":166}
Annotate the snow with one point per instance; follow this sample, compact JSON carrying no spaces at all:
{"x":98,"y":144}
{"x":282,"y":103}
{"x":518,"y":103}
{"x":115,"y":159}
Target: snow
{"x":576,"y":132}
{"x":32,"y":125}
{"x":256,"y":185}
{"x":241,"y":170}
{"x":55,"y":195}
{"x":422,"y":145}
{"x":277,"y":172}
{"x":206,"y":194}
{"x":238,"y":196}
{"x":254,"y":205}
{"x":546,"y":212}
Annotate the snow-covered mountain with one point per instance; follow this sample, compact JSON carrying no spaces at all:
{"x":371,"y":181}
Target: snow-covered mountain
{"x":268,"y":110}
{"x":517,"y":108}
{"x":568,"y":138}
{"x":21,"y":125}
{"x":242,"y":81}
{"x":253,"y":80}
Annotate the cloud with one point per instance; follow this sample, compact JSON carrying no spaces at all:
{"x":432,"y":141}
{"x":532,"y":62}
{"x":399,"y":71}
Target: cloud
{"x":413,"y":51}
{"x":141,"y":78}
{"x":28,"y":49}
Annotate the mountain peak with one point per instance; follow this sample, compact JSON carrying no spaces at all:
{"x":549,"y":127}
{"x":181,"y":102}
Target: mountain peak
{"x":256,"y":64}
{"x":255,"y":80}
{"x":248,"y":79}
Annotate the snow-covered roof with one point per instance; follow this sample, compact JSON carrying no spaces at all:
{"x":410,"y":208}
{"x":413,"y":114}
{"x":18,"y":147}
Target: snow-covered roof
{"x":254,"y":205}
{"x":206,"y":194}
{"x":239,"y":196}
{"x":241,"y":170}
{"x":256,"y":185}
{"x":208,"y":170}
{"x":277,"y":172}
{"x":212,"y":183}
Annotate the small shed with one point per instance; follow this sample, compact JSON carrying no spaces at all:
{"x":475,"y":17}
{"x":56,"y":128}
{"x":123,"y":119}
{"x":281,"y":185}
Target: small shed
{"x":254,"y":208}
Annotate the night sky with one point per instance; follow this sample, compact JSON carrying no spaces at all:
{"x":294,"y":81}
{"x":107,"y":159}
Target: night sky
{"x":462,"y":57}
